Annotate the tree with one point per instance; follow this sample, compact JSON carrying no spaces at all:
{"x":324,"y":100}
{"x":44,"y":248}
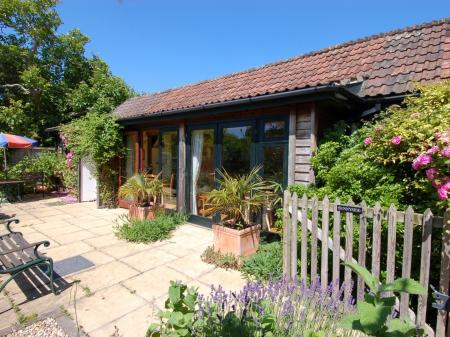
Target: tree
{"x":45,"y":78}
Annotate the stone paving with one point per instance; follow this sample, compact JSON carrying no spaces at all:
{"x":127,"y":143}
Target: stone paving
{"x":129,"y":282}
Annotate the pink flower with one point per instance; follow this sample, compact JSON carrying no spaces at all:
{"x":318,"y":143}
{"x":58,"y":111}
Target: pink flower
{"x":415,"y":115}
{"x":396,"y":140}
{"x":421,"y":160}
{"x":432,"y":173}
{"x":443,"y":190}
{"x":69,"y":156}
{"x":446,"y":152}
{"x":444,"y":137}
{"x":368,"y":141}
{"x":432,"y":150}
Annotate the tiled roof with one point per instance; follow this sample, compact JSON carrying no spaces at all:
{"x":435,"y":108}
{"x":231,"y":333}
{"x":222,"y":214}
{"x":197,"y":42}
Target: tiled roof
{"x":387,"y":64}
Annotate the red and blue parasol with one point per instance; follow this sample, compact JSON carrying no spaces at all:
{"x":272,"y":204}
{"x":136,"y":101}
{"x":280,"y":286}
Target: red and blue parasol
{"x":16,"y":142}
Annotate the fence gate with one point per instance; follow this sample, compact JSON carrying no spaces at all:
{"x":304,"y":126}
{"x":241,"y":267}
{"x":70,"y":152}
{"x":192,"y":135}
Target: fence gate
{"x":332,"y":232}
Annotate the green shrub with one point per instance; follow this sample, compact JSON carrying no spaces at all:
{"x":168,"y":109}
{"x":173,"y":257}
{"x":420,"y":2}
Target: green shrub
{"x":146,"y":231}
{"x":266,"y":264}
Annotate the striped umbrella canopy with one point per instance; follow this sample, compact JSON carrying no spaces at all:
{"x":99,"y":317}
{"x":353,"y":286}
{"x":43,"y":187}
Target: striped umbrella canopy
{"x":16,"y":142}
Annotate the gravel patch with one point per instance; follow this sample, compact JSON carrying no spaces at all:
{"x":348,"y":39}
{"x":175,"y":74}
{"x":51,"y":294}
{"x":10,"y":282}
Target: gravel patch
{"x":45,"y":328}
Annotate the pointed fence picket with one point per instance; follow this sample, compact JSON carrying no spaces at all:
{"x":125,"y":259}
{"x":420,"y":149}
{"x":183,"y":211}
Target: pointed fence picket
{"x":317,"y":216}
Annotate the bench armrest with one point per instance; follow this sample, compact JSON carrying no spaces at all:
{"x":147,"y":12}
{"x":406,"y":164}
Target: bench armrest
{"x":8,"y":223}
{"x":34,"y":245}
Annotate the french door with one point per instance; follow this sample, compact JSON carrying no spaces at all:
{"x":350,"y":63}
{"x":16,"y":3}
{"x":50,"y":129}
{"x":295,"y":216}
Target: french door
{"x":213,"y":147}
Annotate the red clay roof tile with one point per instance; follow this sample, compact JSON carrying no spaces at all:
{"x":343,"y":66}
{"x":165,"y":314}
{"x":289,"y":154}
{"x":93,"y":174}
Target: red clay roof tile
{"x":388,"y":63}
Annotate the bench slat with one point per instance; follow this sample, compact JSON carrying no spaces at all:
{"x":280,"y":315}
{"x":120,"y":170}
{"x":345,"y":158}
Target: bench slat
{"x":16,"y":258}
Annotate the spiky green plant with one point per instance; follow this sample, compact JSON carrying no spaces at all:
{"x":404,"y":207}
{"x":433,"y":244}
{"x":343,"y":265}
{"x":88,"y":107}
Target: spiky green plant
{"x":237,"y":197}
{"x":141,"y":190}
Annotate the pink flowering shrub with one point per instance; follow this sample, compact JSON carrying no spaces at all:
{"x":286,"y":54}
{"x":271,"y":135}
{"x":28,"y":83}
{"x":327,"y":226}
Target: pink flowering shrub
{"x":413,"y":141}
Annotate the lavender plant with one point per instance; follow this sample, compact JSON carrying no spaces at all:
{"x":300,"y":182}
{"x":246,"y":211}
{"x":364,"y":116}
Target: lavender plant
{"x":277,"y":308}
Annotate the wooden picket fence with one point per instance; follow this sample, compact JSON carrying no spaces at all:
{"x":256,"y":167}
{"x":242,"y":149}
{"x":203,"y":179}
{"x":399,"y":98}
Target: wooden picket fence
{"x":324,"y":220}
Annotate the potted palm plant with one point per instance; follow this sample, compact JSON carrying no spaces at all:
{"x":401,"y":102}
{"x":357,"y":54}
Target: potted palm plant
{"x":144,"y":194}
{"x":236,"y":200}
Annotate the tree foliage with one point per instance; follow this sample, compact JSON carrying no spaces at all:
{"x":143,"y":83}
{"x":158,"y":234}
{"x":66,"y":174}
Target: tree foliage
{"x":45,"y":77}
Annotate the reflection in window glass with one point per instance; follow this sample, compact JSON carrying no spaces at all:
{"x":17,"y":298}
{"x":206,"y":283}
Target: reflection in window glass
{"x":274,"y":129}
{"x":236,"y":147}
{"x":130,"y":156}
{"x":273,"y":159}
{"x":169,"y":161}
{"x":150,"y":152}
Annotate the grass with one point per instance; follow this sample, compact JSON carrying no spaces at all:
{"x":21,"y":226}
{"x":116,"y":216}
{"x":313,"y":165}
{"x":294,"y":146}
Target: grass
{"x":146,"y":231}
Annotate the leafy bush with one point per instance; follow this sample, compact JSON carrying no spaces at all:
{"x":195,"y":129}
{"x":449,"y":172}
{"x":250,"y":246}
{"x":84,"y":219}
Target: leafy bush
{"x":278,"y":309}
{"x":97,"y":137}
{"x":266,"y":264}
{"x":372,"y":316}
{"x":160,"y":228}
{"x":375,"y":163}
{"x":51,"y":164}
{"x":226,"y":261}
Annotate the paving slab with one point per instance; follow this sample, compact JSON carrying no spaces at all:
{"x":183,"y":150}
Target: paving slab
{"x":154,"y":283}
{"x":149,"y":259}
{"x":106,"y":306}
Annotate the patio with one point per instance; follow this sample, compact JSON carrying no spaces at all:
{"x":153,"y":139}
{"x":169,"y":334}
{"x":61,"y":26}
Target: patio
{"x":108,"y":282}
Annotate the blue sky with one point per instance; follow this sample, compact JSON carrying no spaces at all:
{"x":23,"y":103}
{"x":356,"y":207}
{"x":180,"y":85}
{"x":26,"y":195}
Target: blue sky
{"x":156,"y":45}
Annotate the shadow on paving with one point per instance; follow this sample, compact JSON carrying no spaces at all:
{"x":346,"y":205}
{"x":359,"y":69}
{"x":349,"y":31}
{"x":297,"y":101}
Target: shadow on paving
{"x":34,"y":283}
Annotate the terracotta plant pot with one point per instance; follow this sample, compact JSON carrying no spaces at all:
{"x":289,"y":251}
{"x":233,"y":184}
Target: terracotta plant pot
{"x":142,"y":212}
{"x":243,"y":242}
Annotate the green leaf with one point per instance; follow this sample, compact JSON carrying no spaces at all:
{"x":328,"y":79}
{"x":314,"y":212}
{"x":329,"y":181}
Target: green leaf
{"x":351,"y":322}
{"x":174,"y":294}
{"x":369,"y":279}
{"x":405,"y":285}
{"x":400,"y":328}
{"x":372,"y":317}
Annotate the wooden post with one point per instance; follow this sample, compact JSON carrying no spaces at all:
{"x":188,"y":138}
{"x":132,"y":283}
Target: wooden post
{"x":294,"y":233}
{"x":325,"y":229}
{"x":304,"y":242}
{"x":348,"y":251}
{"x":427,"y":226}
{"x":315,"y":219}
{"x":313,"y":138}
{"x":336,"y":244}
{"x":407,"y":259}
{"x":444,"y":282}
{"x":391,"y":247}
{"x":292,"y":145}
{"x":181,"y":193}
{"x":376,"y":240}
{"x":362,"y":248}
{"x":286,"y":235}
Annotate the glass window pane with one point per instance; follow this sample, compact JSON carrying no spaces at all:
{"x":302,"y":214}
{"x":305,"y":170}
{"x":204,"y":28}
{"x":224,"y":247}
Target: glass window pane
{"x":169,"y":156}
{"x":202,"y":169}
{"x":236,"y":148}
{"x":150,"y":152}
{"x":273,"y":159}
{"x":130,"y":155}
{"x":274,"y":129}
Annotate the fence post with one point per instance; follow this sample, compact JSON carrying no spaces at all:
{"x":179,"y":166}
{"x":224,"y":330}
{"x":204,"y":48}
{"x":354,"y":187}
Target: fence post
{"x":304,"y":242}
{"x":362,"y":248}
{"x":286,"y":234}
{"x":315,"y":219}
{"x":336,"y":244}
{"x":294,"y":233}
{"x":325,"y":229}
{"x":427,"y":226}
{"x":348,"y":251}
{"x":376,"y":241}
{"x":444,"y":282}
{"x":391,"y":247}
{"x":407,"y":259}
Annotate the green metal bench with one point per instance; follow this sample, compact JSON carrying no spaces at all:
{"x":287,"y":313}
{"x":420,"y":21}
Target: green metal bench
{"x":17,"y":255}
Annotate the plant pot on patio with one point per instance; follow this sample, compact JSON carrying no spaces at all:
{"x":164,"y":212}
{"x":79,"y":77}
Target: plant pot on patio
{"x":239,"y":242}
{"x":142,"y":212}
{"x":144,"y":195}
